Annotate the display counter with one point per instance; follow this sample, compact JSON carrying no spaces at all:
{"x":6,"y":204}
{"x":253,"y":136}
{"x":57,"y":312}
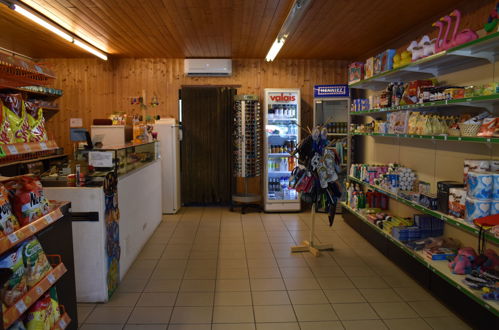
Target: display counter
{"x":114,"y":219}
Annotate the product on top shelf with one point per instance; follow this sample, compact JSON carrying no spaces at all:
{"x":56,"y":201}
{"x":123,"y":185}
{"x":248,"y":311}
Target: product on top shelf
{"x":8,"y":221}
{"x":13,"y":106}
{"x":36,"y":121}
{"x":28,"y":200}
{"x":35,"y":260}
{"x":355,"y":72}
{"x":16,"y":285}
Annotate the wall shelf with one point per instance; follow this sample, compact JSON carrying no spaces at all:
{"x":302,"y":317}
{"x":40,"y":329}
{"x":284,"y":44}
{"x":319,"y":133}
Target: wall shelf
{"x":435,"y":137}
{"x":438,"y":267}
{"x":481,"y":51}
{"x":456,"y":222}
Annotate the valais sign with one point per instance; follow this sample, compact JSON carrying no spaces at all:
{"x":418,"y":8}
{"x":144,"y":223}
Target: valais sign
{"x":282,"y":97}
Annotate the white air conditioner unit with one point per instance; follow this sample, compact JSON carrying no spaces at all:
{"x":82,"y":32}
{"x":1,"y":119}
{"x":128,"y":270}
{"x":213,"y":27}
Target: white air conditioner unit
{"x":208,"y":67}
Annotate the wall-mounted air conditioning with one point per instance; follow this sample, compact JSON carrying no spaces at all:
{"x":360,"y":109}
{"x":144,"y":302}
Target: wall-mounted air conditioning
{"x":208,"y":67}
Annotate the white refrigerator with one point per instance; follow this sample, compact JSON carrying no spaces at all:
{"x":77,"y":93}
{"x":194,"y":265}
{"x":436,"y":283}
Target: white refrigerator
{"x":282,"y":134}
{"x":169,"y":137}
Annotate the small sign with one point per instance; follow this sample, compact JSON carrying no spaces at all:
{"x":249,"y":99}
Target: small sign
{"x":331,"y":91}
{"x":27,"y":147}
{"x":49,"y":219}
{"x":39,"y":290}
{"x":51,"y":278}
{"x":75,"y":122}
{"x":100,"y":158}
{"x":43,"y":145}
{"x":12,"y":149}
{"x":62,"y":324}
{"x":13,"y":238}
{"x":21,"y":306}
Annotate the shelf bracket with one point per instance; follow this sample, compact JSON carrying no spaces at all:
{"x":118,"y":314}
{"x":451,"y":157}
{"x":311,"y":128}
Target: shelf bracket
{"x":489,"y":56}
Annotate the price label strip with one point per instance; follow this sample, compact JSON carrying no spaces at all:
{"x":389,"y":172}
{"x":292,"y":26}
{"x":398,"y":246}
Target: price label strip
{"x":43,"y":145}
{"x":12,"y":149}
{"x":13,"y":238}
{"x":21,"y":306}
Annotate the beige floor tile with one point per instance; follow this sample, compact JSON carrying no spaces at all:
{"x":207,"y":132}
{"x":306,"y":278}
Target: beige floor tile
{"x":189,"y":327}
{"x":413,"y":294}
{"x":167,"y":273}
{"x":109,"y":315}
{"x":407,"y":324}
{"x":267,"y":272}
{"x":145,"y":327}
{"x":292,"y":262}
{"x":369,"y":282}
{"x":267,"y":284}
{"x":296,"y":272}
{"x":322,"y":325}
{"x":233,"y":298}
{"x":400,"y":281}
{"x":150,"y":315}
{"x":209,"y":273}
{"x":364,"y":325}
{"x":195,"y":299}
{"x":262,"y":262}
{"x":157,"y":299}
{"x":380,"y":295}
{"x":137,"y":273}
{"x":232,"y":274}
{"x":233,"y":326}
{"x":101,"y":327}
{"x":162,"y":286}
{"x":232,"y":285}
{"x":191,"y":315}
{"x":344,"y":296}
{"x":394,"y":310}
{"x":281,"y":313}
{"x":446,"y":323}
{"x":305,"y":297}
{"x":123,"y":299}
{"x":321,"y":312}
{"x":233,"y":314}
{"x":328,"y":283}
{"x":358,"y":271}
{"x":197,"y":286}
{"x":430,"y":308}
{"x":301,"y":284}
{"x":265,"y":298}
{"x":128,"y":285}
{"x":333,"y":271}
{"x":278,"y":326}
{"x":356,"y":311}
{"x":84,"y":312}
{"x":232,"y":263}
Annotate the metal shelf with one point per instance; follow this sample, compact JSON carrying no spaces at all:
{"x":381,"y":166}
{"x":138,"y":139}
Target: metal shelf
{"x":456,"y":222}
{"x":481,"y":51}
{"x":439,"y":267}
{"x":486,"y":101}
{"x":436,"y":137}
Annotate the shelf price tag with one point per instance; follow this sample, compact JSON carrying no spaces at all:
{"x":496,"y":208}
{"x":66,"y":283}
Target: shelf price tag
{"x":39,"y":290}
{"x":62,"y":324}
{"x":49,"y":218}
{"x":43,"y":145}
{"x":27,"y":147}
{"x":13,"y":238}
{"x":32,"y":228}
{"x":12,"y":149}
{"x":51,"y":278}
{"x":21,"y":306}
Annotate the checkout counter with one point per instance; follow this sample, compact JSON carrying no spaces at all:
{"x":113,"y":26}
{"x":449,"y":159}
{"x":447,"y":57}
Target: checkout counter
{"x":115,"y":210}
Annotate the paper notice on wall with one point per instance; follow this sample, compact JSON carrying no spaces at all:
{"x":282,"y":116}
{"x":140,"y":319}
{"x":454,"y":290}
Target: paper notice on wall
{"x":100,"y":158}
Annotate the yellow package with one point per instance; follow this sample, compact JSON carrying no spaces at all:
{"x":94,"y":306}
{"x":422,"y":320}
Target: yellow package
{"x":36,"y":122}
{"x":15,"y":113}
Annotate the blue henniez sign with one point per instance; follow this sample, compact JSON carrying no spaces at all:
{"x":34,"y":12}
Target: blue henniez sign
{"x":331,"y":91}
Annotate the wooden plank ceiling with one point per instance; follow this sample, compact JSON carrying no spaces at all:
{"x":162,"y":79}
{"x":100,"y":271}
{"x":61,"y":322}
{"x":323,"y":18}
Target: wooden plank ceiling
{"x":334,"y":29}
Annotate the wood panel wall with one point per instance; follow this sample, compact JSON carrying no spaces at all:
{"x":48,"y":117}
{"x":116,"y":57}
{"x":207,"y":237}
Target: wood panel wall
{"x":95,"y":89}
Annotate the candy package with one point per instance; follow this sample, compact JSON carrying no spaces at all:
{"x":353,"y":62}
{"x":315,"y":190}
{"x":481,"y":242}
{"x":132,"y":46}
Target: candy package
{"x":55,"y":313}
{"x":488,"y":127}
{"x":8,"y":222}
{"x":5,"y":131}
{"x":13,"y":107}
{"x":16,"y":286}
{"x":36,"y":122}
{"x":39,"y":316}
{"x":35,"y":260}
{"x":28,"y":199}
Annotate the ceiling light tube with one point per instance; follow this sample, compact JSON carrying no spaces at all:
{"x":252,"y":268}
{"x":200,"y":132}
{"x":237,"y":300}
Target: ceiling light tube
{"x":90,"y":49}
{"x":42,"y":22}
{"x":274,"y":50}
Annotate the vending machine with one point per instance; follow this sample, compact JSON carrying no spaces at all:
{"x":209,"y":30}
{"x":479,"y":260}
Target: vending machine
{"x":282,"y":134}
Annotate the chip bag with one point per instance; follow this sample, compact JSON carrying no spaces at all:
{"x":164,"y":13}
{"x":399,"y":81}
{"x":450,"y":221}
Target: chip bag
{"x":35,"y":260}
{"x":55,"y":313}
{"x":16,"y":286}
{"x":39,"y":316}
{"x":13,"y":108}
{"x":5,"y":131}
{"x":36,"y":122}
{"x":8,"y":222}
{"x":29,"y":202}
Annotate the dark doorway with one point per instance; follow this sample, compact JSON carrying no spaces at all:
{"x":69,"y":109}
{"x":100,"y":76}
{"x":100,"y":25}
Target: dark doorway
{"x":206,"y":145}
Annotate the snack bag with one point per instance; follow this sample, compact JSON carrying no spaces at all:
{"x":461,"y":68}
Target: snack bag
{"x":8,"y":222}
{"x":35,"y":260}
{"x":55,"y":313}
{"x":29,"y":202}
{"x":36,"y":122}
{"x":13,"y":106}
{"x":5,"y":131}
{"x":18,"y":325}
{"x":488,"y":127}
{"x":16,"y":286}
{"x":39,"y":315}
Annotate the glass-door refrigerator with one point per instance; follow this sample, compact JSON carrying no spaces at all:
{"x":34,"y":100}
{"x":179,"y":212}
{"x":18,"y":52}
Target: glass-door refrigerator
{"x":282,"y":134}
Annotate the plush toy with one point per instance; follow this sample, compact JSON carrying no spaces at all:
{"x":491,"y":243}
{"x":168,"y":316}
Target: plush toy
{"x":492,"y":19}
{"x":462,"y":262}
{"x":428,"y":45}
{"x":465,"y":35}
{"x":416,"y":50}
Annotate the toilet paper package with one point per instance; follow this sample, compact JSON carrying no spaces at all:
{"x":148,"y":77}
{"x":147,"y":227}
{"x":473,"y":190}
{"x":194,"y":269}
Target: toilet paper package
{"x":495,"y":186}
{"x":477,"y":208}
{"x":494,"y":207}
{"x":494,"y":165}
{"x":475,"y":165}
{"x":480,"y":185}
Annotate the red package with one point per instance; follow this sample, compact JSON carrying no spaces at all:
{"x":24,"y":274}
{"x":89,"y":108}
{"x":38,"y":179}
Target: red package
{"x":488,"y":127}
{"x":27,"y":198}
{"x":412,"y":91}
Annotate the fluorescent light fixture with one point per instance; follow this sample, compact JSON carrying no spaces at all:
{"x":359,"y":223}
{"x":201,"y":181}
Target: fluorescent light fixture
{"x":274,"y":50}
{"x":43,"y":23}
{"x":90,"y":49}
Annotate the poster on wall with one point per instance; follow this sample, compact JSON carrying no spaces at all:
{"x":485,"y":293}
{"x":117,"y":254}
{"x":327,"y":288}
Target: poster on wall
{"x":112,"y":218}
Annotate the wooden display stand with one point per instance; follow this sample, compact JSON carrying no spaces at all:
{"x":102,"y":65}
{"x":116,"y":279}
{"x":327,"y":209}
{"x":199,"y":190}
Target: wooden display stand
{"x":309,"y":246}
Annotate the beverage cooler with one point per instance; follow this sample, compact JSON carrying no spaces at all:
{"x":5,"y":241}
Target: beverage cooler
{"x":282,"y":134}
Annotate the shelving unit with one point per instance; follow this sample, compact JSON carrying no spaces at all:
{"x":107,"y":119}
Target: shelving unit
{"x":24,"y":148}
{"x":440,"y":268}
{"x":456,"y":222}
{"x":435,"y":137}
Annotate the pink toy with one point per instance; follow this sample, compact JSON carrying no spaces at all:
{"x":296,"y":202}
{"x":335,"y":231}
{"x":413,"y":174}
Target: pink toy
{"x":446,"y":44}
{"x":438,"y":42}
{"x":462,"y":263}
{"x":465,"y":35}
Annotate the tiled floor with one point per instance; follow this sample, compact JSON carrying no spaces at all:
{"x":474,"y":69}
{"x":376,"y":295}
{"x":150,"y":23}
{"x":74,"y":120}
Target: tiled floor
{"x":208,"y":268}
